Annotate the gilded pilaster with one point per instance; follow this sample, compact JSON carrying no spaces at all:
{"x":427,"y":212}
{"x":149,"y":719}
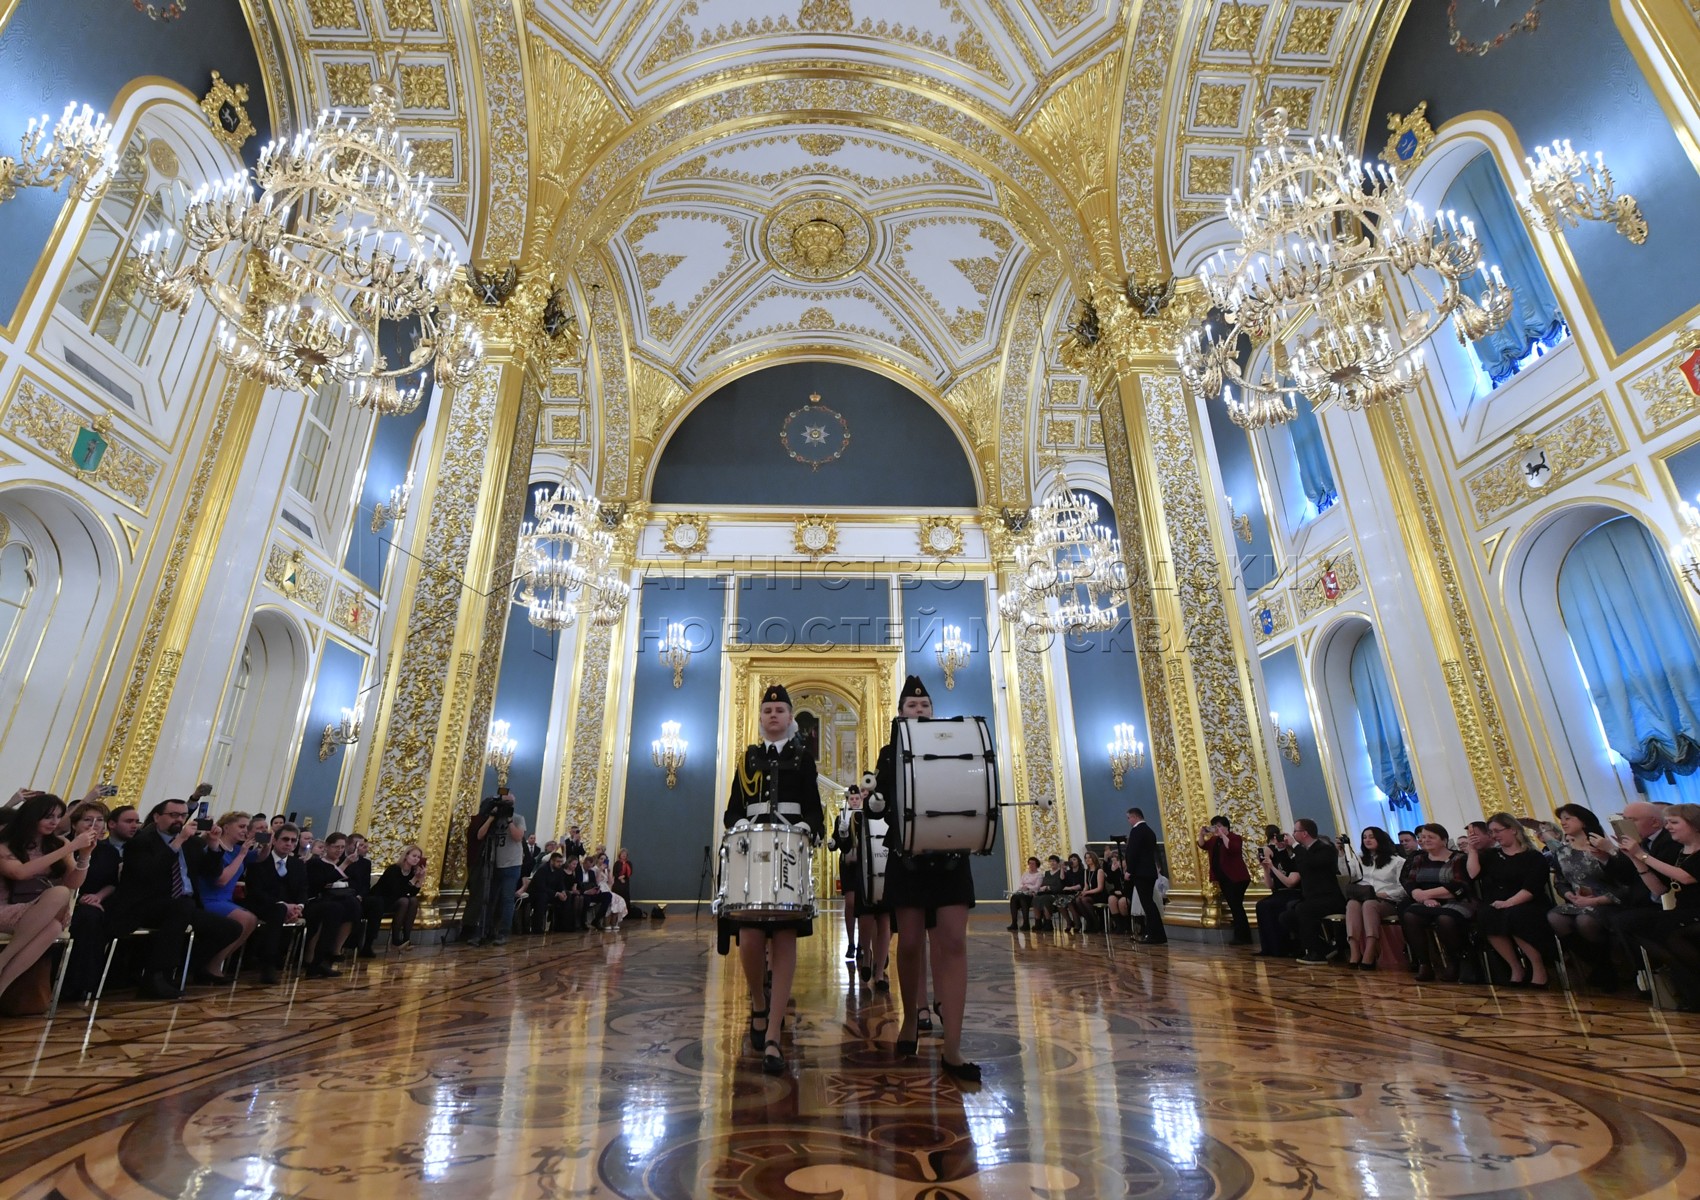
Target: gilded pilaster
{"x":427,"y":765}
{"x":1195,"y":664}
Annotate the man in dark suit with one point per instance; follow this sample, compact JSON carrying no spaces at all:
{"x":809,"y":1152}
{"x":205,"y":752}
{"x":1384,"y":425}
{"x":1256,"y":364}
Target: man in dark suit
{"x":1316,"y":873}
{"x":156,"y":891}
{"x":276,"y":892}
{"x":1141,"y":866}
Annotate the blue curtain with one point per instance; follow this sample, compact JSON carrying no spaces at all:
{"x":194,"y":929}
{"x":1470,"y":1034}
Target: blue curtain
{"x":1637,"y":647}
{"x":1389,"y":760}
{"x":1479,"y":191}
{"x":1316,"y":477}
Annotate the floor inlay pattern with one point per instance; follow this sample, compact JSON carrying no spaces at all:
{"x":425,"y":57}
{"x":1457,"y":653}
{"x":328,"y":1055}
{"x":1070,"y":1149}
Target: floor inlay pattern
{"x":613,"y":1066}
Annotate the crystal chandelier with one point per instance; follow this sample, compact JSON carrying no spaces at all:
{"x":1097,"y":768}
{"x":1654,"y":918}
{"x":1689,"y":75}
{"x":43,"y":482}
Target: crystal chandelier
{"x":952,"y":653}
{"x":1566,"y":189}
{"x":669,"y":751}
{"x":1127,"y":753}
{"x":1315,"y":230}
{"x":563,"y":563}
{"x":499,"y":751}
{"x":676,"y":651}
{"x":334,"y":243}
{"x":79,"y":152}
{"x":1069,"y":575}
{"x":345,"y":733}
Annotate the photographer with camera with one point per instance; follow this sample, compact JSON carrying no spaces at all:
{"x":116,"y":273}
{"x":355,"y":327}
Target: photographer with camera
{"x":493,"y":875}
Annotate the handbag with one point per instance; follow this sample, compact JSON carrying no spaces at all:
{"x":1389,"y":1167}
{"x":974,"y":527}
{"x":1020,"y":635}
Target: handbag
{"x":1360,"y":891}
{"x":31,"y":992}
{"x":1668,"y":901}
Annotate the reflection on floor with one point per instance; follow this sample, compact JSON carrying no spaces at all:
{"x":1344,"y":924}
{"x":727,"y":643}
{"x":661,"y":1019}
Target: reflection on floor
{"x":612,"y":1065}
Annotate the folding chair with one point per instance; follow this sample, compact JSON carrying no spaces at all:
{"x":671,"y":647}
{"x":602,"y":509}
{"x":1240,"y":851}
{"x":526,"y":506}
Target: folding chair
{"x":64,"y":942}
{"x":112,"y":949}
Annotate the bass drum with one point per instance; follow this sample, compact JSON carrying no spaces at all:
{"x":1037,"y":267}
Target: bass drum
{"x":947,"y":785}
{"x":871,"y":858}
{"x":766,"y":873}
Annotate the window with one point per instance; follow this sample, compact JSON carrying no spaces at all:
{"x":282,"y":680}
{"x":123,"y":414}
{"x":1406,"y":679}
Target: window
{"x":103,"y":289}
{"x":1316,"y":477}
{"x":224,"y":740}
{"x":315,"y":443}
{"x":1536,"y":325}
{"x":1384,"y":738}
{"x":17,"y":583}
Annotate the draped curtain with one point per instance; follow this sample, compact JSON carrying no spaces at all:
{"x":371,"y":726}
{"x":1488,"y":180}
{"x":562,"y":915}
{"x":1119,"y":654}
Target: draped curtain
{"x":1479,"y":192}
{"x":1316,"y":477}
{"x":1389,"y":760}
{"x":1637,"y":646}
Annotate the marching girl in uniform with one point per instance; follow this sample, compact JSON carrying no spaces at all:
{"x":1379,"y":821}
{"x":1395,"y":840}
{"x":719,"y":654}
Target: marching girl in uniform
{"x":931,"y":895}
{"x":849,"y":871}
{"x":775,"y":783}
{"x":873,"y":919}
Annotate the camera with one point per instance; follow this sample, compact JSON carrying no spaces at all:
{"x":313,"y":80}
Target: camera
{"x":263,"y":838}
{"x":500,"y":806}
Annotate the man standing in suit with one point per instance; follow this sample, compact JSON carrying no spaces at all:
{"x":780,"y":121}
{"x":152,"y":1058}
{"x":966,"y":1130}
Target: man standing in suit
{"x":156,"y":891}
{"x":1142,"y":872}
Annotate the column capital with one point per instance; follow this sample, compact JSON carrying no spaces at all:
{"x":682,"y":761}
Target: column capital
{"x":523,"y":315}
{"x":1130,"y":328}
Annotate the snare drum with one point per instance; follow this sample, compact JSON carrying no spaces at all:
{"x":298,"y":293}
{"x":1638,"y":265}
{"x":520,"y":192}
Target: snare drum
{"x":766,"y":873}
{"x":947,"y":785}
{"x":871,"y":860}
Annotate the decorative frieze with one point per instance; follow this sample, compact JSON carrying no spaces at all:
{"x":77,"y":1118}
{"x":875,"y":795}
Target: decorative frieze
{"x":40,"y":419}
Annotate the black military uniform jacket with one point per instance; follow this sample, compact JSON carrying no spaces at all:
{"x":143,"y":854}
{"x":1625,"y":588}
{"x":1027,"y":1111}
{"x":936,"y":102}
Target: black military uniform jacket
{"x":788,"y":782}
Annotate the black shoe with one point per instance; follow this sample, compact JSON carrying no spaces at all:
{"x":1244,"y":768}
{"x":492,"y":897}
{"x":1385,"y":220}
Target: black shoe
{"x":772,"y":1058}
{"x":758,"y":1037}
{"x":924,"y":1020}
{"x":905,"y":1049}
{"x":368,"y":952}
{"x":1012,"y":927}
{"x":322,"y":970}
{"x":1146,"y":939}
{"x":882,"y":985}
{"x":850,"y":954}
{"x":964,"y":1072}
{"x":159,"y":986}
{"x":268,"y":977}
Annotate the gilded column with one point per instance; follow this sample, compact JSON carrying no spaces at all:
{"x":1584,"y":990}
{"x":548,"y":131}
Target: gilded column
{"x":427,"y":766}
{"x":1194,"y":662}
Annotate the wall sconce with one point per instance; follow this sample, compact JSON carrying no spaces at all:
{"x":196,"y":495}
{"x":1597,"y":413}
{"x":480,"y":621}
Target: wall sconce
{"x":1127,"y":753}
{"x":1241,"y":522}
{"x":499,"y":751}
{"x":1286,"y":740}
{"x":1687,"y":552}
{"x":952,"y":653}
{"x":79,"y":151}
{"x":344,"y":733}
{"x":676,"y":652}
{"x":1566,"y":189}
{"x":396,"y":508}
{"x":669,"y":751}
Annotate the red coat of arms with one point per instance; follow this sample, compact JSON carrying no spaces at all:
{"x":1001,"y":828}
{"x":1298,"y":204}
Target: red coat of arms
{"x":1330,"y":584}
{"x":1690,"y":368}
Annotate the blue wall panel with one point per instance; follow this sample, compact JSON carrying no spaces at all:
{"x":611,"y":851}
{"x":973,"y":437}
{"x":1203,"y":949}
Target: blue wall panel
{"x":524,"y":692}
{"x":928,"y":606}
{"x":386,"y":466}
{"x":782,"y":611}
{"x":1239,"y":478}
{"x":56,"y":51}
{"x":312,"y":793}
{"x":901,"y":452}
{"x":666,"y":829}
{"x":1572,"y":78}
{"x":1307,"y":787}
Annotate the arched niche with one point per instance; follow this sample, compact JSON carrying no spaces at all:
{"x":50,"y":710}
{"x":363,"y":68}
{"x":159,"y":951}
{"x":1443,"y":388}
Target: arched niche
{"x":1580,"y":761}
{"x":1341,"y":729}
{"x":59,"y":642}
{"x":727,"y":449}
{"x":256,"y":737}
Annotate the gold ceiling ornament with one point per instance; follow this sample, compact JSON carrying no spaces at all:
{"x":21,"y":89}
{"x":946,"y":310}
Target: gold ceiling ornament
{"x":685,"y":534}
{"x":941,"y":536}
{"x":1408,"y":137}
{"x":817,"y":238}
{"x":1116,"y":325}
{"x":226,"y":106}
{"x":1566,"y":189}
{"x":1308,"y":281}
{"x":340,"y":226}
{"x":519,"y":306}
{"x":815,"y":536}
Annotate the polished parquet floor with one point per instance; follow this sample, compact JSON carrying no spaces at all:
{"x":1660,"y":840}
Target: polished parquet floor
{"x":611,"y":1065}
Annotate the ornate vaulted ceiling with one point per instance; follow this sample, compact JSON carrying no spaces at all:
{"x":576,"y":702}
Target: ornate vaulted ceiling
{"x":726,"y":183}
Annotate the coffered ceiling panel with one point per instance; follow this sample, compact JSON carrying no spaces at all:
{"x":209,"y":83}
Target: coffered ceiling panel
{"x":877,"y":165}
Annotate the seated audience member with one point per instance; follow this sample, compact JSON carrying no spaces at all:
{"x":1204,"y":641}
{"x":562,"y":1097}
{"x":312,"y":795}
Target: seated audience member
{"x":279,"y":821}
{"x":1021,"y":899}
{"x":1276,"y":859}
{"x":1050,"y":894}
{"x":1226,"y":851}
{"x":593,"y":901}
{"x":1593,"y":877}
{"x":1117,"y":911}
{"x":572,"y":846}
{"x":156,"y":891}
{"x":1376,"y":894}
{"x":1408,"y":843}
{"x":1639,"y":912}
{"x":330,"y":888}
{"x":1073,"y":883}
{"x":616,"y":910}
{"x":218,"y":869}
{"x":256,"y":823}
{"x":1437,"y":889}
{"x":1316,"y":873}
{"x":39,"y":873}
{"x":1511,"y":877}
{"x":275,"y":889}
{"x":1675,"y":934}
{"x":397,"y":895}
{"x":88,"y":921}
{"x":1094,"y":890}
{"x":86,"y":816}
{"x":547,"y":890}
